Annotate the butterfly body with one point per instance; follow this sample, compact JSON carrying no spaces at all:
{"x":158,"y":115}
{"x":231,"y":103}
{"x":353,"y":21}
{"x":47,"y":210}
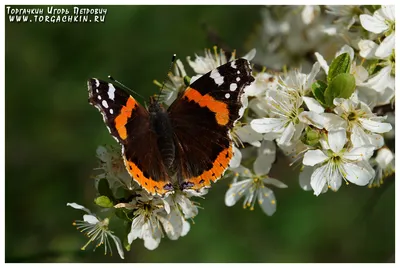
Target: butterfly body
{"x":185,"y":146}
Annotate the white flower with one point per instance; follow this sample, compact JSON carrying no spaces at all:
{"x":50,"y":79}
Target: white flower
{"x":384,"y":166}
{"x":361,"y":122}
{"x":347,"y":15}
{"x":253,"y":188}
{"x":284,"y":109}
{"x":183,"y":203}
{"x":97,"y":231}
{"x":355,"y":116}
{"x":114,"y":169}
{"x":153,"y":217}
{"x":382,"y":83}
{"x":202,"y":65}
{"x":336,"y":163}
{"x":383,"y":21}
{"x":263,"y":82}
{"x":174,"y":85}
{"x":301,"y":82}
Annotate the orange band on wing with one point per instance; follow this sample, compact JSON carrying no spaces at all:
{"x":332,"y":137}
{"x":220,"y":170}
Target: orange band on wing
{"x":219,"y":166}
{"x":122,"y":118}
{"x":151,"y":186}
{"x":218,"y":107}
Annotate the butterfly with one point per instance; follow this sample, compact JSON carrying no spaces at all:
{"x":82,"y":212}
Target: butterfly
{"x":184,"y":146}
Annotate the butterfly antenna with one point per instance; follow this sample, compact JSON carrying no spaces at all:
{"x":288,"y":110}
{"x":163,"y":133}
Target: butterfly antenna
{"x":125,"y":87}
{"x":165,"y":80}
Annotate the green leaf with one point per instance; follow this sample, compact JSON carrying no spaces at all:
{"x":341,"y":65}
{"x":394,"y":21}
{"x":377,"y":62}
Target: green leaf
{"x":318,"y":89}
{"x":103,"y":201}
{"x":340,"y":65}
{"x":342,"y":86}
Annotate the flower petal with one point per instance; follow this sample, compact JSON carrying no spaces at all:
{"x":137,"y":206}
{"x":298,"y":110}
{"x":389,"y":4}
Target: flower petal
{"x":236,"y":158}
{"x":236,"y":191}
{"x":267,"y":201}
{"x":337,"y":139}
{"x":136,"y":229}
{"x":313,"y":157}
{"x":118,"y":245}
{"x":313,"y":105}
{"x":335,"y":180}
{"x":359,"y":137}
{"x":384,"y":157}
{"x":77,"y":206}
{"x":318,"y":179}
{"x":381,"y":80}
{"x":287,"y":134}
{"x":250,"y":55}
{"x":305,"y":178}
{"x":373,"y":24}
{"x":247,"y":134}
{"x":375,"y":126}
{"x":367,"y":48}
{"x":267,"y":125}
{"x":90,"y":219}
{"x":360,"y":74}
{"x":386,"y":47}
{"x":333,"y":121}
{"x":322,"y":62}
{"x":360,"y":153}
{"x":188,"y":208}
{"x":274,"y":182}
{"x":311,"y":76}
{"x":185,"y":228}
{"x":151,"y":236}
{"x":359,"y":173}
{"x":172,"y":224}
{"x":346,"y":49}
{"x":388,"y":12}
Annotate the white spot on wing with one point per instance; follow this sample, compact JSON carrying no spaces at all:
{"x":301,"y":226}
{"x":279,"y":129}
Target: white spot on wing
{"x":233,"y":87}
{"x":111,"y":111}
{"x":104,"y":103}
{"x":99,"y":97}
{"x":227,"y":95}
{"x":237,"y":79}
{"x":111,"y":91}
{"x":218,"y":79}
{"x":233,"y":64}
{"x":238,"y":72}
{"x":97,"y":83}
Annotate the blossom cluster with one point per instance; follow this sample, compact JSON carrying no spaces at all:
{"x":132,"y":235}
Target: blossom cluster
{"x":324,"y":119}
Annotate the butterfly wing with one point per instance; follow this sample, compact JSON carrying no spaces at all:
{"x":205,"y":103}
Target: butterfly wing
{"x":202,"y":118}
{"x":129,"y":123}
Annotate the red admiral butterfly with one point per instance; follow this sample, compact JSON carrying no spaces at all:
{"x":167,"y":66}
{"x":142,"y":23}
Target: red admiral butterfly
{"x":187,"y":145}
